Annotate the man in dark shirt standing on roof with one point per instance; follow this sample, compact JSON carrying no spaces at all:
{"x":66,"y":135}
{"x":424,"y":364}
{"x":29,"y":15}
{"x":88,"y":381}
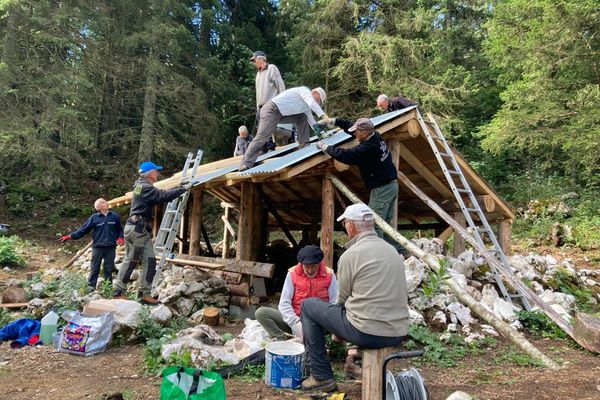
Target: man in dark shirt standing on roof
{"x":138,"y":236}
{"x":374,"y":161}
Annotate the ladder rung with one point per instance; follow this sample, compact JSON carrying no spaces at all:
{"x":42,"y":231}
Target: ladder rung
{"x":447,"y":155}
{"x":165,"y":229}
{"x":171,"y":211}
{"x":483,"y":230}
{"x":463,"y":190}
{"x":453,"y":172}
{"x":472,"y":209}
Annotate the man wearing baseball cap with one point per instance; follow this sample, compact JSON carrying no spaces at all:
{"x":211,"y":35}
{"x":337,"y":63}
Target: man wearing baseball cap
{"x":309,"y":278}
{"x":374,"y":161}
{"x":371,"y":309}
{"x":138,"y":236}
{"x":294,"y":106}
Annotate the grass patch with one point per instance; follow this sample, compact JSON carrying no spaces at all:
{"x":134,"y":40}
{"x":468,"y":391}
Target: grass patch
{"x":520,"y":359}
{"x":11,"y":250}
{"x":539,"y":324}
{"x":252,"y":373}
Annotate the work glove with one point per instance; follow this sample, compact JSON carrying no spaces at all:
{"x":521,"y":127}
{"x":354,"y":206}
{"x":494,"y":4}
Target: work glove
{"x":322,"y":146}
{"x":64,"y":238}
{"x":297,"y":330}
{"x":121,"y":241}
{"x":327,"y":122}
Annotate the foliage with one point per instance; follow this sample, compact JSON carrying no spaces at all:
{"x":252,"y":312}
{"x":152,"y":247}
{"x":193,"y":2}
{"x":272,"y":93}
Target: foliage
{"x":436,"y":352}
{"x":335,"y":350}
{"x":253,"y":373}
{"x":518,"y":358}
{"x":5,"y":317}
{"x":67,"y":290}
{"x":9,"y":254}
{"x":435,"y":280}
{"x":567,"y":283}
{"x":539,"y":324}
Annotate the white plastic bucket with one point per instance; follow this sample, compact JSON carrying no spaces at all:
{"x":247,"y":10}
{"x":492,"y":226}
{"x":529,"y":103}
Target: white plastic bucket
{"x":283,"y":364}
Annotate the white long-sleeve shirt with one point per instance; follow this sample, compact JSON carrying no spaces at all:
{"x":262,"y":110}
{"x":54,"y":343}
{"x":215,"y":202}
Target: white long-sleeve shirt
{"x":269,"y":84}
{"x":285,"y":301}
{"x":298,"y":100}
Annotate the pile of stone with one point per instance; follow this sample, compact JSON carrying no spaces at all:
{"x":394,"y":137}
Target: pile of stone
{"x":442,"y":311}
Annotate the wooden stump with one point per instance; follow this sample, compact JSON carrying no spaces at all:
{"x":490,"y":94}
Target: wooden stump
{"x":587,"y":331}
{"x":372,"y":379}
{"x":211,"y":316}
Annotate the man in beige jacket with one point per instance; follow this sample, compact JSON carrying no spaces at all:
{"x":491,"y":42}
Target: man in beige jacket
{"x":372,"y":309}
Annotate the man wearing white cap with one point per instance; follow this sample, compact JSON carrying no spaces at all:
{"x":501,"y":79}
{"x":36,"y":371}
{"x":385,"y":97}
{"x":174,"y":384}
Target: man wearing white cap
{"x":295,"y":106}
{"x":371,"y":310}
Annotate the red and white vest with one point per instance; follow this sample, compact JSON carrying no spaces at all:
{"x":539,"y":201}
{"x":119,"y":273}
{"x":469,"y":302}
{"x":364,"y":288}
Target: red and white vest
{"x":305,"y":287}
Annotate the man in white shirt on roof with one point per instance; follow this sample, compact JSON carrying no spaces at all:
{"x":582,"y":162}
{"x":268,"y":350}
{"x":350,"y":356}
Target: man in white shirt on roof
{"x":294,"y":105}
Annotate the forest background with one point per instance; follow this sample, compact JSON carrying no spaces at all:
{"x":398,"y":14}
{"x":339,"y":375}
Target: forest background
{"x":88,"y":89}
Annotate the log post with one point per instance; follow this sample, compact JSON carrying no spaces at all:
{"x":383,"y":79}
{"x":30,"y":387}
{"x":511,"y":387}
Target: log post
{"x":372,"y":365}
{"x":327,"y":219}
{"x":459,"y":242}
{"x":195,"y":223}
{"x":226,"y":233}
{"x":394,"y":145}
{"x":504,"y":229}
{"x":249,"y":227}
{"x":211,"y":316}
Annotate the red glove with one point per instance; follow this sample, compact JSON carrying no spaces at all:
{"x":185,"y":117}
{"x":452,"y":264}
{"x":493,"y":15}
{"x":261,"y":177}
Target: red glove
{"x":121,"y":241}
{"x":64,"y":238}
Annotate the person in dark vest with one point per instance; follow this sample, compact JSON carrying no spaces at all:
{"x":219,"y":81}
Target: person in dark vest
{"x":138,"y":232}
{"x":309,"y":278}
{"x":107,"y":232}
{"x":386,"y":104}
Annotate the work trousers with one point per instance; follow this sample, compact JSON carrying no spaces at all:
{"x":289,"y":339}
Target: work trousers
{"x":382,"y":202}
{"x":320,"y":318}
{"x":272,"y":320}
{"x":267,"y":126}
{"x":138,"y":247}
{"x":99,"y":254}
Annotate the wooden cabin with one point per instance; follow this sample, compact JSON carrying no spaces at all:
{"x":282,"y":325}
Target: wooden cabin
{"x":289,"y":190}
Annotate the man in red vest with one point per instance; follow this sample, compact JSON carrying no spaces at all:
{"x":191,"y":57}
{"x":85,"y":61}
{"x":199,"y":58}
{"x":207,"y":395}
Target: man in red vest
{"x":309,"y":278}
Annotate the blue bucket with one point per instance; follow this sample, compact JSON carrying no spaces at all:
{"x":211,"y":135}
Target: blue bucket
{"x":283,"y":364}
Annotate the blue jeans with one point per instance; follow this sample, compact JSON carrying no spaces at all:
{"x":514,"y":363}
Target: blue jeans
{"x":98,"y":254}
{"x":320,"y":318}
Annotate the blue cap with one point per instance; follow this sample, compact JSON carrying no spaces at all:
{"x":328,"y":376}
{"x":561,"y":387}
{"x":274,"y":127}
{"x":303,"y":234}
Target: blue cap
{"x":310,"y":255}
{"x":148,"y":166}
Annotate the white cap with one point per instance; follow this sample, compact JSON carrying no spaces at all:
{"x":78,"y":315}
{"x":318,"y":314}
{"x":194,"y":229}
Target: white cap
{"x":322,"y":94}
{"x":357,"y":212}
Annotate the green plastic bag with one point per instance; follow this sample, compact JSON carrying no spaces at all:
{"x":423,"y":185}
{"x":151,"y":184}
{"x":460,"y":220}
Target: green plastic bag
{"x":182,"y":383}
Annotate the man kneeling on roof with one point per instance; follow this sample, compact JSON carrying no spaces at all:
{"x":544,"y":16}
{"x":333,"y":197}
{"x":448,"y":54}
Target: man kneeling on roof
{"x":371,"y":309}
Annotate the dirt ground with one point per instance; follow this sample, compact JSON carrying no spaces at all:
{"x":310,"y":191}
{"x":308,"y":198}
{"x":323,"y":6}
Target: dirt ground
{"x":40,"y":373}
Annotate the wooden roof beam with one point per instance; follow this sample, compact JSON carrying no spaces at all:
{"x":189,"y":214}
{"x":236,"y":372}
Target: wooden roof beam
{"x":429,"y":176}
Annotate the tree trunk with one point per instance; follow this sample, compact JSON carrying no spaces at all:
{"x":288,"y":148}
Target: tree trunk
{"x":149,"y":119}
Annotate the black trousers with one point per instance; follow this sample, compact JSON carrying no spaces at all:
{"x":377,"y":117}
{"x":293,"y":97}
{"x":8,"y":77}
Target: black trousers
{"x":99,"y":254}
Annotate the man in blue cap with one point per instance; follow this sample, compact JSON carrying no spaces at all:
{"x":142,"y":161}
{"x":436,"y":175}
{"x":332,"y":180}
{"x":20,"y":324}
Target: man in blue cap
{"x":138,"y":235}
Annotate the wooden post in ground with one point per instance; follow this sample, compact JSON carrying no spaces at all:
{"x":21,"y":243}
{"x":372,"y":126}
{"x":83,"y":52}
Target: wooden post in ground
{"x":459,"y":242}
{"x":504,"y":229}
{"x":394,"y":145}
{"x":327,"y":219}
{"x":195,"y":223}
{"x":226,"y":234}
{"x":372,"y":364}
{"x":249,"y":227}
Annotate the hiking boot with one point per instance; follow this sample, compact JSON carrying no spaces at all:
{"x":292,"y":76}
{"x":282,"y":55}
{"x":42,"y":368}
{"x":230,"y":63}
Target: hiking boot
{"x":149,"y":301}
{"x":312,"y":384}
{"x":352,"y":368}
{"x":120,"y":296}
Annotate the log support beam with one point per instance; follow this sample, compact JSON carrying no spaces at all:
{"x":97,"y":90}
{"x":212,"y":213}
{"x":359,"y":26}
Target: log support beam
{"x":195,"y":223}
{"x":327,"y":219}
{"x":459,"y":241}
{"x":504,"y":230}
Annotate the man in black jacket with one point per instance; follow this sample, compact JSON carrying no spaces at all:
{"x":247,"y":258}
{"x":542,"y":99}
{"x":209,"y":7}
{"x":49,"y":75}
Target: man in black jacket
{"x":395,"y":103}
{"x":374,"y":161}
{"x":107,"y":232}
{"x":138,"y":236}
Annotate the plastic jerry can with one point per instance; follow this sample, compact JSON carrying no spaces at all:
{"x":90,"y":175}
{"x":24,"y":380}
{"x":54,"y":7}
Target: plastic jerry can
{"x":48,"y":328}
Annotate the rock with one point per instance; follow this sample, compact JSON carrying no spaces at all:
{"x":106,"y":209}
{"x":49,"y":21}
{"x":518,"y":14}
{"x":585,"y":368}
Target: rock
{"x":185,"y":306}
{"x":462,"y":267}
{"x":489,"y":330}
{"x":196,"y":318}
{"x":536,"y":287}
{"x":459,"y":278}
{"x":505,"y":309}
{"x":253,"y":331}
{"x":415,"y":317}
{"x":414,"y":270}
{"x":431,"y":246}
{"x":13,"y":282}
{"x":462,"y":313}
{"x":476,"y":284}
{"x":473,"y":336}
{"x":459,"y":395}
{"x":161,"y":314}
{"x":194,"y":287}
{"x":14,"y":294}
{"x":39,"y":307}
{"x":520,"y":265}
{"x":566,"y":301}
{"x":476,"y":294}
{"x":37,"y":289}
{"x":452,"y":328}
{"x":439,"y":322}
{"x":489,"y":296}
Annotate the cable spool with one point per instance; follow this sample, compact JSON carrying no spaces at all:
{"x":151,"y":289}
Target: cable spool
{"x":407,"y":385}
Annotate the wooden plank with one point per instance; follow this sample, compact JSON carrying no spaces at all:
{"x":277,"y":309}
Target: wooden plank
{"x":445,"y":234}
{"x":13,"y":306}
{"x":280,"y":222}
{"x":504,"y":230}
{"x":429,"y":176}
{"x":263,"y":270}
{"x":202,"y":264}
{"x":327,"y":219}
{"x":195,"y":223}
{"x":206,"y":240}
{"x":228,"y":233}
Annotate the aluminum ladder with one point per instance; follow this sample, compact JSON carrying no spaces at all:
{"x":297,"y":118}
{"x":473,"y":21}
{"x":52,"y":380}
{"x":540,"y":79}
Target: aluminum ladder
{"x":474,"y":216}
{"x":169,"y":226}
